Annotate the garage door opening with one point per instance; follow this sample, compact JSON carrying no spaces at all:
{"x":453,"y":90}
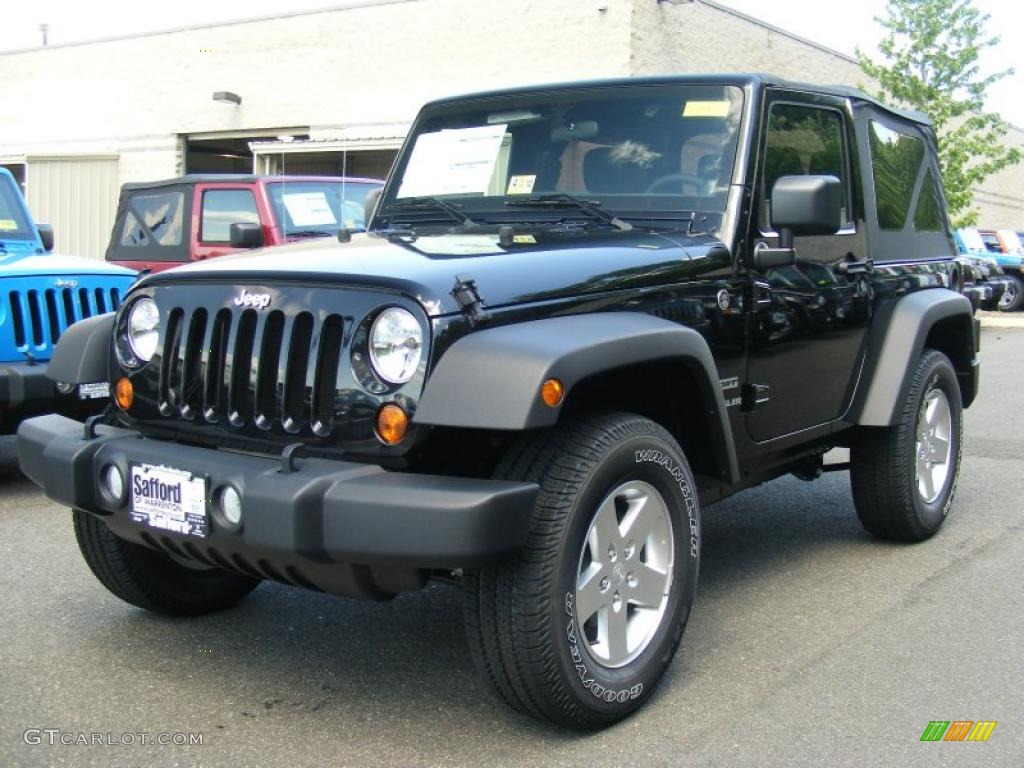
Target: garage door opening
{"x":225,"y":153}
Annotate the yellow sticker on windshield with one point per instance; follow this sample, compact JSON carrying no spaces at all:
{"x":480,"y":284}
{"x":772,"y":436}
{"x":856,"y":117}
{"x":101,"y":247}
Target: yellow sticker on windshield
{"x":706,"y":109}
{"x":8,"y":225}
{"x":521,"y":185}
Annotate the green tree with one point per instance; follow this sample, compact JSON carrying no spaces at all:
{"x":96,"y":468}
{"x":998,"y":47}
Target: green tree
{"x":931,"y":51}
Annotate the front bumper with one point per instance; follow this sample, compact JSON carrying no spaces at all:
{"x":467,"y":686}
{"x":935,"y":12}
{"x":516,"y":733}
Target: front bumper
{"x":24,"y":386}
{"x":320,"y":513}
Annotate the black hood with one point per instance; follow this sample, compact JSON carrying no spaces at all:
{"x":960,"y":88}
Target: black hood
{"x":540,"y":266}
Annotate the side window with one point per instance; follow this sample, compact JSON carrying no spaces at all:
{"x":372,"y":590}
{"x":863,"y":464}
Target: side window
{"x":162,"y":216}
{"x":895,"y":160}
{"x":221,"y":209}
{"x":803,"y":141}
{"x":928,"y":216}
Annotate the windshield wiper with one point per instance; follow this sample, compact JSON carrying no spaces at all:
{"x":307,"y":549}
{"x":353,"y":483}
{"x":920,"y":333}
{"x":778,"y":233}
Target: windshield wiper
{"x":562,"y":200}
{"x":433,"y":202}
{"x":307,"y":233}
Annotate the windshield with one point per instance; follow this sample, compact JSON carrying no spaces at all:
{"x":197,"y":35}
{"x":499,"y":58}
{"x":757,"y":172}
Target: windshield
{"x":640,"y":152}
{"x":318,"y":207}
{"x":13,"y":222}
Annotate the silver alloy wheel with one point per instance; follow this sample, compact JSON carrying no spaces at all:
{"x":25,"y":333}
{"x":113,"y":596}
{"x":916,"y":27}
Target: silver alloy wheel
{"x":1009,"y":295}
{"x":934,"y":444}
{"x":624,"y":573}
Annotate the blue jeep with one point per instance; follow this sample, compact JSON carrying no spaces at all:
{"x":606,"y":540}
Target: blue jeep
{"x":40,"y":296}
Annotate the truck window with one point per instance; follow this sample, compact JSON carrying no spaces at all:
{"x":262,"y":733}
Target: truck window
{"x":161,"y":219}
{"x":221,"y":209}
{"x":928,"y":216}
{"x":803,"y":141}
{"x":895,"y":161}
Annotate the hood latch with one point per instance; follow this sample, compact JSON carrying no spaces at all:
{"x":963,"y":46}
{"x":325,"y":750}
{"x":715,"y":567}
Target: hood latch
{"x":469,"y":299}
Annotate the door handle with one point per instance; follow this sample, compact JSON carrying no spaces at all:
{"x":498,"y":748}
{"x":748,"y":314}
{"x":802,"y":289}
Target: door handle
{"x":856,"y":267}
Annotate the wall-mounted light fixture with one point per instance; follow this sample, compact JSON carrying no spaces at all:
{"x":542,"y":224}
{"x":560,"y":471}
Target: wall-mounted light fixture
{"x":227,"y":97}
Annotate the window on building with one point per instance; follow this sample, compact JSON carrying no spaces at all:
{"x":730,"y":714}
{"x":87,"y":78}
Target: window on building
{"x":803,"y":141}
{"x":224,"y":207}
{"x":895,"y":160}
{"x":162,"y":217}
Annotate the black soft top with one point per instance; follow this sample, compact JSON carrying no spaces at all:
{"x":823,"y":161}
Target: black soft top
{"x":755,"y":80}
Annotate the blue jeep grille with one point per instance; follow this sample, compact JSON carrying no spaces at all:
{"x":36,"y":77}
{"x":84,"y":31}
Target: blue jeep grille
{"x":39,"y":317}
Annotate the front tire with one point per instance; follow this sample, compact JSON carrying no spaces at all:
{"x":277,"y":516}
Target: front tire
{"x":150,"y":579}
{"x":904,"y":476}
{"x":579,"y":627}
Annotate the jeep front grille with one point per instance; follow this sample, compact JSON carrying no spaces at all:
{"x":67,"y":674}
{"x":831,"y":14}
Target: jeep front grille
{"x":238,"y":367}
{"x":38,"y":318}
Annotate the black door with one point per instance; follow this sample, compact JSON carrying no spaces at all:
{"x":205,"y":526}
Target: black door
{"x":808,"y":319}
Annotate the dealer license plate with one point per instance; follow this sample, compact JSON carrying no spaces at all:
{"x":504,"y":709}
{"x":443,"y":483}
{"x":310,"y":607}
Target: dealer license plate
{"x":169,"y":499}
{"x":95,"y":391}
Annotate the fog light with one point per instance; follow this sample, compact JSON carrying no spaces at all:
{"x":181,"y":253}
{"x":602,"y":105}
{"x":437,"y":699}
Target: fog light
{"x":231,"y":505}
{"x":124,"y":392}
{"x":392,"y":424}
{"x":113,"y":482}
{"x":552,"y":392}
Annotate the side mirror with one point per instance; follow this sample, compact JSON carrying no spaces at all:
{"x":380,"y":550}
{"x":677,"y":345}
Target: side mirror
{"x":370,"y":205}
{"x":46,"y":236}
{"x":801,"y":205}
{"x":246,"y":235}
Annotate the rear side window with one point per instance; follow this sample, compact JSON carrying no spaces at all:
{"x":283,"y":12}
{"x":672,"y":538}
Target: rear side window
{"x":928,"y":216}
{"x":895,"y":161}
{"x":154,"y":220}
{"x":224,"y":207}
{"x":803,"y":141}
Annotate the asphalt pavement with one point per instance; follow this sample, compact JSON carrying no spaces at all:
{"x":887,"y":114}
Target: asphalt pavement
{"x":811,"y":644}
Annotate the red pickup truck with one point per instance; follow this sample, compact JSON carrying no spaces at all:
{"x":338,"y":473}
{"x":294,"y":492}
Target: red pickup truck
{"x":162,"y":224}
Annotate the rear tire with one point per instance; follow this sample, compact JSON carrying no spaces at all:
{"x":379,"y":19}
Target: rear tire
{"x":150,"y":579}
{"x":580,"y":626}
{"x":904,"y":476}
{"x":1012,"y":299}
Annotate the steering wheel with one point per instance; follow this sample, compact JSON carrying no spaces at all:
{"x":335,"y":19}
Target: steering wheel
{"x":683,"y":178}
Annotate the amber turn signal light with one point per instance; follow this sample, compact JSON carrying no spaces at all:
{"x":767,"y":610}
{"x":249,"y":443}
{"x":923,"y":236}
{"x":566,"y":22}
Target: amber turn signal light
{"x":124,"y":393}
{"x":552,"y":392}
{"x":392,"y":424}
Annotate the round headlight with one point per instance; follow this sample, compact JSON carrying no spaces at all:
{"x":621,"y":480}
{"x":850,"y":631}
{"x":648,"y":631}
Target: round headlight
{"x":396,"y":344}
{"x":143,"y":329}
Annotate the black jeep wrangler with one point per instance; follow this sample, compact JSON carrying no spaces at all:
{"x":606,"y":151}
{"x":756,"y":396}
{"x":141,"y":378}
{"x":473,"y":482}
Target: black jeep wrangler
{"x":581,"y":313}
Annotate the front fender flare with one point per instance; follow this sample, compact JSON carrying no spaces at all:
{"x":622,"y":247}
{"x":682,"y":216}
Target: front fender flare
{"x":491,"y":379}
{"x":82,"y":356}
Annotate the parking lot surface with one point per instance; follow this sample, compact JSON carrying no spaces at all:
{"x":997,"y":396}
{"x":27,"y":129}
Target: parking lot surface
{"x":810,"y":644}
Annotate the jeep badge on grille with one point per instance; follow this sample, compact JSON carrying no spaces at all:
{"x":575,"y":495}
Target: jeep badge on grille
{"x":257,"y":300}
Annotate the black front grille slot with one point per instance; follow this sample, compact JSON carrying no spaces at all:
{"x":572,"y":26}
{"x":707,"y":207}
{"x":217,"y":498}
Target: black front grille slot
{"x":101,"y":301}
{"x":325,"y":386}
{"x":83,"y":299}
{"x":36,"y":316}
{"x":267,"y":370}
{"x":170,"y":370}
{"x":17,"y":319}
{"x":68,"y":300}
{"x":115,"y":298}
{"x":52,"y":316}
{"x":215,"y":364}
{"x":293,"y":407}
{"x":192,"y":364}
{"x":239,"y":402}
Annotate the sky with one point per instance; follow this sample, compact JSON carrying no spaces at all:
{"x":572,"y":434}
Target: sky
{"x":817,"y":20}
